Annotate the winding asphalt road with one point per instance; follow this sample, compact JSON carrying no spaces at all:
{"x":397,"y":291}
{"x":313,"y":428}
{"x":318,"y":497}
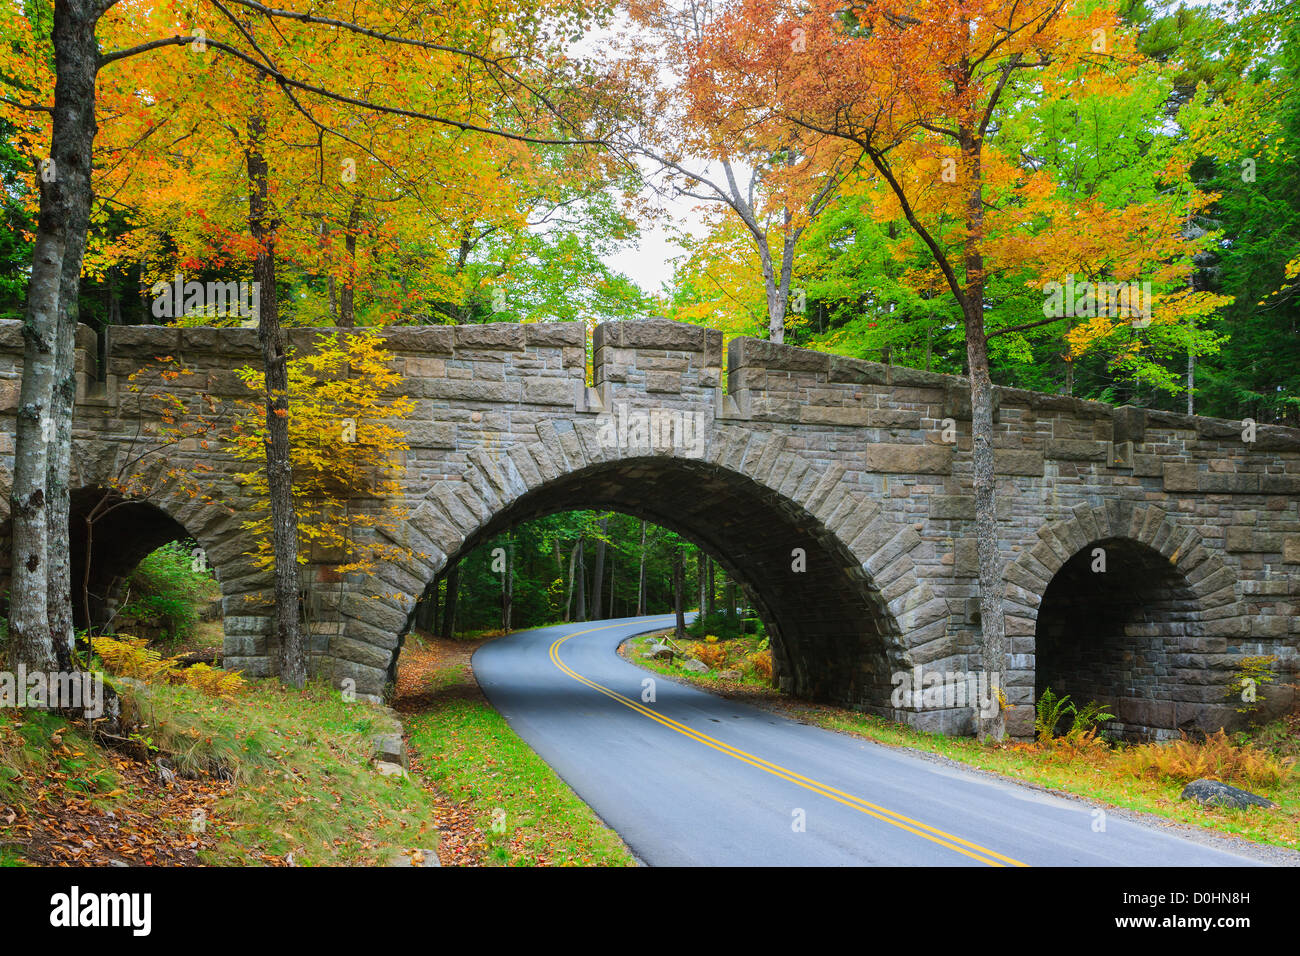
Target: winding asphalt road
{"x":688,"y":778}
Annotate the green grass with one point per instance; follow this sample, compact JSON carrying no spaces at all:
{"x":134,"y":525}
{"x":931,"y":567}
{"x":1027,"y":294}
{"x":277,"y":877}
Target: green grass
{"x":528,"y":815}
{"x":301,"y":763}
{"x":1093,"y":776}
{"x":166,"y":592}
{"x":36,"y":746}
{"x":740,"y":657}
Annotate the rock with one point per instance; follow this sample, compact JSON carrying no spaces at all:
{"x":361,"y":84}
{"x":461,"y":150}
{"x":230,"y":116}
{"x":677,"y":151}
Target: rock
{"x":386,"y":769}
{"x":417,"y":858}
{"x":661,"y":652}
{"x":695,"y":667}
{"x":731,"y":674}
{"x":1218,"y":794}
{"x":390,"y":748}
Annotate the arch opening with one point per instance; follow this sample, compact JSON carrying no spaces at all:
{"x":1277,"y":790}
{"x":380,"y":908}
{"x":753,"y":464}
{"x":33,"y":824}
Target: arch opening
{"x":105,"y":552}
{"x":1120,"y":636}
{"x":832,"y":636}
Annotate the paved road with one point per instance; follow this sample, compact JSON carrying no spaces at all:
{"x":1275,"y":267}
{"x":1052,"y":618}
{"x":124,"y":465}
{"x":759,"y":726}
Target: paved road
{"x":693,"y":779}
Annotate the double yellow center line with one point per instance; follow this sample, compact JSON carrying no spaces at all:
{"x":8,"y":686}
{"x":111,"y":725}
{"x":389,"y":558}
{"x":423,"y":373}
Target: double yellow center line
{"x":923,"y":830}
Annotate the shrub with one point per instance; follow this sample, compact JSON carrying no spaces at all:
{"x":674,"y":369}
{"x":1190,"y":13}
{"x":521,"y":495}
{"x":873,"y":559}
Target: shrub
{"x":763,"y":663}
{"x":715,"y":655}
{"x":1251,"y":672}
{"x":1049,"y":711}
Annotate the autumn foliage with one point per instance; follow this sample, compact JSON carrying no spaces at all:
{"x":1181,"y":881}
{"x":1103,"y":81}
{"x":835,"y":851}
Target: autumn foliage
{"x":347,"y":452}
{"x":132,"y":657}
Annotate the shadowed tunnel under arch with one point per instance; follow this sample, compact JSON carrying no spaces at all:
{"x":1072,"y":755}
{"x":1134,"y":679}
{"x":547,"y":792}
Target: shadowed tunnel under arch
{"x":832,"y":636}
{"x":1120,"y":635}
{"x":119,"y":540}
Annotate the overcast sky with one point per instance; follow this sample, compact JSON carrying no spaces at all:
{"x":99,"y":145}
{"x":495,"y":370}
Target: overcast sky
{"x":648,"y":262}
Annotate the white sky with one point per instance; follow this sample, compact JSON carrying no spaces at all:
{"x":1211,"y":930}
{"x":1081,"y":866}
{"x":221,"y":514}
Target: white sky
{"x":648,"y":262}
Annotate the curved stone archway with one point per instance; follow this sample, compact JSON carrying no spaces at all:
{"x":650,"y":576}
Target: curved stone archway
{"x":1148,"y":635}
{"x":129,"y":533}
{"x":840,"y":629}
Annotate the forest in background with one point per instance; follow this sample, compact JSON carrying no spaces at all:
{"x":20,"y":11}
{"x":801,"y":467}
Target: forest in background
{"x":577,"y":566}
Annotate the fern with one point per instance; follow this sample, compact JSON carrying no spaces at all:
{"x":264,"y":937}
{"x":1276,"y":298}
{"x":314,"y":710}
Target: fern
{"x":1048,"y":713}
{"x":131,"y":657}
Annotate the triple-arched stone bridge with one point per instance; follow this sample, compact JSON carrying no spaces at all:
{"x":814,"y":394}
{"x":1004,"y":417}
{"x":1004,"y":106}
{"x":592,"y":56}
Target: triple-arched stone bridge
{"x":865,"y":467}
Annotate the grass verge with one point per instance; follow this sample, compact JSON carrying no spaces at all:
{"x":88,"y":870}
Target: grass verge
{"x":274,"y":776}
{"x":524,"y":813}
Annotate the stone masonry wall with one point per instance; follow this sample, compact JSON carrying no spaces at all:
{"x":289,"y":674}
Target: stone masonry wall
{"x":865,"y":468}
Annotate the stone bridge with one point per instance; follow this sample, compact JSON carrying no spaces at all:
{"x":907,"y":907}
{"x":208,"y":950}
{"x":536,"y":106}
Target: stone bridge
{"x":865,"y":468}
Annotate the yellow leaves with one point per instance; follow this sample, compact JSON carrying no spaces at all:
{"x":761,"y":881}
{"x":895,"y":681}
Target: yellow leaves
{"x":343,"y":447}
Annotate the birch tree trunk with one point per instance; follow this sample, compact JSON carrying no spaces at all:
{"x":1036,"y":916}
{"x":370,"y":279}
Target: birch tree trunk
{"x":39,"y":640}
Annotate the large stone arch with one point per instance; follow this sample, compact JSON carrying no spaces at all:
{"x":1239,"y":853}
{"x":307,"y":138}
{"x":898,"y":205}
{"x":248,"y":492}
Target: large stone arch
{"x":858,"y":615}
{"x":1171,"y":673}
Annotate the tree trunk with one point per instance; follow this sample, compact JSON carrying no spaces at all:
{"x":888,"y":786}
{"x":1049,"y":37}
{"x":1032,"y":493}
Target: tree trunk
{"x":679,"y":586}
{"x":59,"y":558}
{"x":347,"y":296}
{"x":598,"y":575}
{"x":573,"y":566}
{"x":731,"y":604}
{"x":39,"y":540}
{"x":992,"y":619}
{"x":580,"y":575}
{"x":702,"y":576}
{"x":279,"y":469}
{"x":713,"y":587}
{"x":426,"y":611}
{"x":449,"y":603}
{"x":508,"y":586}
{"x":640,"y":579}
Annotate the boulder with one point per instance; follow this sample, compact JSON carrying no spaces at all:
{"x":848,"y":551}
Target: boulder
{"x":661,"y":652}
{"x":695,"y":667}
{"x":731,"y":674}
{"x":1218,"y":794}
{"x":423,"y":857}
{"x":386,"y":769}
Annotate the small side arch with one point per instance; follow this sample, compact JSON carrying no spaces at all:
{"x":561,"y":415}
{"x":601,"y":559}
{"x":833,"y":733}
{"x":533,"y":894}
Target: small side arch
{"x":1124,"y":605}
